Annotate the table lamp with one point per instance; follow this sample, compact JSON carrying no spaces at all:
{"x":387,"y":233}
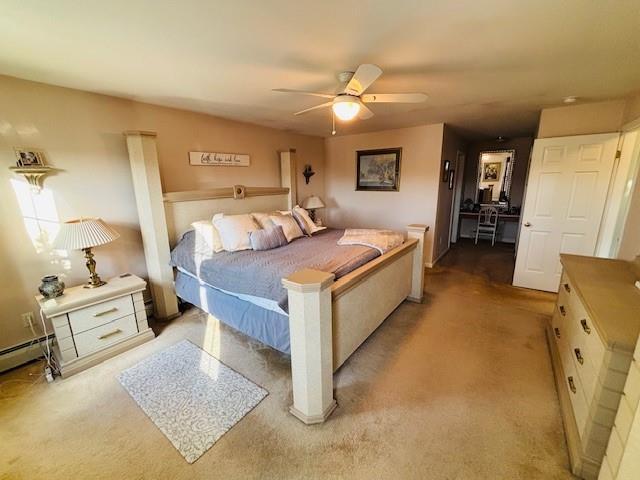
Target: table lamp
{"x":84,"y":234}
{"x":311,"y":204}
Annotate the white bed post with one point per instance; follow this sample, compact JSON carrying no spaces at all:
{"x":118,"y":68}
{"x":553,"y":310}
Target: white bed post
{"x":310,"y":330}
{"x":288,"y":175}
{"x":143,"y":158}
{"x":418,"y":232}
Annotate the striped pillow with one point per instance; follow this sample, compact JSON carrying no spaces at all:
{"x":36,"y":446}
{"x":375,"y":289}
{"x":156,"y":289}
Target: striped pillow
{"x":267,"y":238}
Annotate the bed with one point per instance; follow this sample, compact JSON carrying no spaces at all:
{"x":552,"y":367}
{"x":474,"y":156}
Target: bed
{"x":318,"y":307}
{"x":255,"y":278}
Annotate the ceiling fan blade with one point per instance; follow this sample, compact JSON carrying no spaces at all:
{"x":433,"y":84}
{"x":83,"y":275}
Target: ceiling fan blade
{"x":394,"y":98}
{"x":302,"y":92}
{"x":364,"y":112}
{"x":322,"y":105}
{"x":365,"y":75}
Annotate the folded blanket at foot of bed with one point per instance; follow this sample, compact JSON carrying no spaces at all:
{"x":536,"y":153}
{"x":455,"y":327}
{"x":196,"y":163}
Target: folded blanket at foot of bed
{"x":381,"y":240}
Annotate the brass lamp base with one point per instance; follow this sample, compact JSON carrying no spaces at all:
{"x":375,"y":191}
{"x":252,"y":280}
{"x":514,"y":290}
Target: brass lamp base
{"x":94,"y":279}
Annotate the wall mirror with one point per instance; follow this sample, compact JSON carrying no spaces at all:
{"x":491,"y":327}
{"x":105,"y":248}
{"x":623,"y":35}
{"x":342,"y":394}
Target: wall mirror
{"x":494,"y":176}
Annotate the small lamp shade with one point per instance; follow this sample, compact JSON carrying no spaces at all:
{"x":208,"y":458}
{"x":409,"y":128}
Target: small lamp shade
{"x":312,"y":202}
{"x":84,"y":233}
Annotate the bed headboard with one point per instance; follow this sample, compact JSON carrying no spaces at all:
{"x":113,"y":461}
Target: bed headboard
{"x":165,"y":216}
{"x":183,"y":208}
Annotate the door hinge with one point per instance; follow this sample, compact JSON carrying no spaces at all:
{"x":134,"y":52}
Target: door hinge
{"x":618,"y":154}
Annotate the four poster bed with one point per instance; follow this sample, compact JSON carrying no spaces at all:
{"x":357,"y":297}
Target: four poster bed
{"x":320,"y":316}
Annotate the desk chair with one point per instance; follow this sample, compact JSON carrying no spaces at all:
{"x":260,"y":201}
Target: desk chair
{"x":487,"y":223}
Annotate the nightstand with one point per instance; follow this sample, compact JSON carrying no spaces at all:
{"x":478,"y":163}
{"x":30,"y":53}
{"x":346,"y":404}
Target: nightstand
{"x":93,"y":324}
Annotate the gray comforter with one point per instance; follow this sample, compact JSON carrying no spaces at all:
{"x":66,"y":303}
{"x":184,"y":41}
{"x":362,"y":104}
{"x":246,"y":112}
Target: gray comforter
{"x":259,"y":273}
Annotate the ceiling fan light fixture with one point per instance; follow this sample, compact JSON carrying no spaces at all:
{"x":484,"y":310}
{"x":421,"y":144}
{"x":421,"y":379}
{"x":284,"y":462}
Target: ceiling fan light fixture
{"x":346,"y":107}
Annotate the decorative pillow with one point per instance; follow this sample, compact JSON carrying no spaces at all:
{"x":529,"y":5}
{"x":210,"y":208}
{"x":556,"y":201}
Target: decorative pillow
{"x":263,"y":219}
{"x":304,"y":220}
{"x":234,"y":231}
{"x":208,"y":234}
{"x":289,"y":226}
{"x":268,"y":238}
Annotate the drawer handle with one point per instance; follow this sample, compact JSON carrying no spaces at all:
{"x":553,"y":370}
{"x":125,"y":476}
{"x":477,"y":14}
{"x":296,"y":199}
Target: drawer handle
{"x":579,"y":356}
{"x":585,"y":327}
{"x":111,"y":310}
{"x":107,"y":335}
{"x":557,"y":332}
{"x":567,"y":288}
{"x":563,"y":311}
{"x":572,"y":385}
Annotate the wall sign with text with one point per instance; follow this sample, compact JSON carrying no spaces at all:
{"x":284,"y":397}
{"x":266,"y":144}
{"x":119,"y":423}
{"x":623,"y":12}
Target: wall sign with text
{"x":219,"y":159}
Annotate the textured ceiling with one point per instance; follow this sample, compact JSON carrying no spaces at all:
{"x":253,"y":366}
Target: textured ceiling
{"x":487,"y":66}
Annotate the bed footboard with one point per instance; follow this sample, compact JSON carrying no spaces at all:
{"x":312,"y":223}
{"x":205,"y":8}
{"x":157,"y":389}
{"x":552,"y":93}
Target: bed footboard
{"x":329,"y":320}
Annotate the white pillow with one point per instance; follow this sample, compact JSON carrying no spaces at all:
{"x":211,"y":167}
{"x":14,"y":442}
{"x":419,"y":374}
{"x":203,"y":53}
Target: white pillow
{"x":234,"y":231}
{"x":303,"y":217}
{"x":207,"y":233}
{"x":263,"y":220}
{"x":289,"y":226}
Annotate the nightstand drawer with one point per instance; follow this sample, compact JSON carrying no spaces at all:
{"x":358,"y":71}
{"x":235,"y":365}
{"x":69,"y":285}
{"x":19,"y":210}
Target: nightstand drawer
{"x":100,"y":314}
{"x":105,"y":335}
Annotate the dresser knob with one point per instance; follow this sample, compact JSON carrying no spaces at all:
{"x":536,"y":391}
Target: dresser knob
{"x":567,"y":288}
{"x":579,"y":355}
{"x":563,"y":311}
{"x":572,"y":385}
{"x":556,"y":330}
{"x":585,"y":327}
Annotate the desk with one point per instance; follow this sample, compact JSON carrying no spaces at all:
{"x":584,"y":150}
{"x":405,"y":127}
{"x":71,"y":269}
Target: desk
{"x":505,"y":217}
{"x":511,"y":234}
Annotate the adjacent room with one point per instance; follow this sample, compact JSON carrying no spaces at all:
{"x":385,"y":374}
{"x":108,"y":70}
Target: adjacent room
{"x":320,"y":240}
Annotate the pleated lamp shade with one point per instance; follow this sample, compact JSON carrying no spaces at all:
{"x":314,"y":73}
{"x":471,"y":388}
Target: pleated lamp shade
{"x":312,"y":202}
{"x":84,"y":233}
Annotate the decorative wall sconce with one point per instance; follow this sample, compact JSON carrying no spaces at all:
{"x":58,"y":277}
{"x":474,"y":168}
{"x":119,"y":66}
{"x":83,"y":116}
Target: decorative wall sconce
{"x":308,"y":173}
{"x":31,"y":165}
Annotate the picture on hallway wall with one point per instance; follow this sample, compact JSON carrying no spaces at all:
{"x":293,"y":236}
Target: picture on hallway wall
{"x":491,"y":171}
{"x":378,"y":170}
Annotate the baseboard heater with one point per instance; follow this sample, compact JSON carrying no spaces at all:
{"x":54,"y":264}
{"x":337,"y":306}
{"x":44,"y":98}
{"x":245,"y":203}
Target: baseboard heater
{"x":22,"y":353}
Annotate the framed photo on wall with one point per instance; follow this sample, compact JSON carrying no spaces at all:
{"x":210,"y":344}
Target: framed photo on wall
{"x":378,"y":170}
{"x":445,"y":170}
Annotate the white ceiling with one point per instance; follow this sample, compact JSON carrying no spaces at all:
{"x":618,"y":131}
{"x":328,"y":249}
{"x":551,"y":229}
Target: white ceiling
{"x":487,"y":66}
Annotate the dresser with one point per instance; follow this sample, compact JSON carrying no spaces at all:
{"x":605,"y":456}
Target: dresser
{"x":592,"y":336}
{"x":93,"y":324}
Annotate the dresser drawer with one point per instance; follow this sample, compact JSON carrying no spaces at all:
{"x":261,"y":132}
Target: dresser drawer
{"x":105,"y":335}
{"x":574,"y":387}
{"x":100,"y":314}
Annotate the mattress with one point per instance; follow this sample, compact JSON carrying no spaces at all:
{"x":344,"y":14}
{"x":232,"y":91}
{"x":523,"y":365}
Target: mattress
{"x":266,"y":326}
{"x":253,"y":274}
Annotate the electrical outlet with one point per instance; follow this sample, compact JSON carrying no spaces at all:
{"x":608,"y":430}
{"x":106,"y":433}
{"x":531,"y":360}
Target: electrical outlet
{"x":27,"y":319}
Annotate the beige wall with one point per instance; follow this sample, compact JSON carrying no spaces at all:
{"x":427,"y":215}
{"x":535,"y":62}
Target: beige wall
{"x":81,"y":134}
{"x":416,"y":202}
{"x":631,"y":109}
{"x":451,"y":145}
{"x":582,"y":119}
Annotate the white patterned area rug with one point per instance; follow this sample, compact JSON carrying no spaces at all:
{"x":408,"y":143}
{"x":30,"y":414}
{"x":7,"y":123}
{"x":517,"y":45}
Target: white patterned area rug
{"x":192,"y":398}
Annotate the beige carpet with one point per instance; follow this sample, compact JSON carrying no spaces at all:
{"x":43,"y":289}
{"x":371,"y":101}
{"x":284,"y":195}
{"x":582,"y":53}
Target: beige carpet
{"x":460,"y":387}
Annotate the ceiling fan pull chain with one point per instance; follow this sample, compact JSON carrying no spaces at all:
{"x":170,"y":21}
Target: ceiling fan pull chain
{"x":333,"y":119}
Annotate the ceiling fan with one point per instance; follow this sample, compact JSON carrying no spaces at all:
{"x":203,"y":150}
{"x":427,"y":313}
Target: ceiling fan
{"x":350,"y":100}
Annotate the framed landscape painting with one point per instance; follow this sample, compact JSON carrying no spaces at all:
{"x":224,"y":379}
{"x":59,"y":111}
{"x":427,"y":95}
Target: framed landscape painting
{"x":378,"y":170}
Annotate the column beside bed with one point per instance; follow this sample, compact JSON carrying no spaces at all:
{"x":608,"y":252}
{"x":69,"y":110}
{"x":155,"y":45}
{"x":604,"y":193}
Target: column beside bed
{"x":145,"y":173}
{"x":329,"y":320}
{"x":418,"y":232}
{"x":311,"y":338}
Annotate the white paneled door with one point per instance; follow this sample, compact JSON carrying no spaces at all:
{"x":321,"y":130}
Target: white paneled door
{"x":565,"y":198}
